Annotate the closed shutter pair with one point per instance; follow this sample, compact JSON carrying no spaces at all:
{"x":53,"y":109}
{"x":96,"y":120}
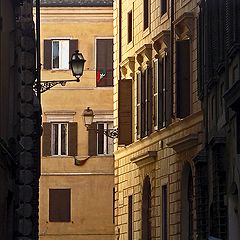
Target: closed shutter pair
{"x":47,"y":138}
{"x":73,"y":46}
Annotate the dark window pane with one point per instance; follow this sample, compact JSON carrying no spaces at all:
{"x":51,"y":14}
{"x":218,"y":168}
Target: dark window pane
{"x":130,"y":217}
{"x":163,"y":7}
{"x":164,"y":213}
{"x":55,"y":139}
{"x":104,"y":68}
{"x":55,"y":50}
{"x":63,"y":139}
{"x":130,"y":27}
{"x":146,"y":14}
{"x":100,"y":138}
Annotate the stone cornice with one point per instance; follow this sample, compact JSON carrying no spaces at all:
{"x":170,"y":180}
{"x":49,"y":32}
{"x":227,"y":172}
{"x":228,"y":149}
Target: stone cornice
{"x":127,"y":67}
{"x":161,"y":42}
{"x":184,"y":25}
{"x":145,"y":159}
{"x":185,"y":142}
{"x":144,"y":54}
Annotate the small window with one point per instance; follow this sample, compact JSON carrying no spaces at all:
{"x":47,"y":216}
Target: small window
{"x":164,"y":213}
{"x":60,"y":54}
{"x":146,"y":14}
{"x":130,"y":28}
{"x":59,"y":205}
{"x":59,"y":138}
{"x":163,"y":7}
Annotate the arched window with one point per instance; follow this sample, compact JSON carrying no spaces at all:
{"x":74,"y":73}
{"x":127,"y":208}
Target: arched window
{"x":187,"y":203}
{"x":146,"y":209}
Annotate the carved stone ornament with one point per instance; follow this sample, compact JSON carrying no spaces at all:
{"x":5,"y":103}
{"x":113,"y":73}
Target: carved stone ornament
{"x":161,"y":42}
{"x":144,"y":55}
{"x":127,"y":67}
{"x":184,"y":25}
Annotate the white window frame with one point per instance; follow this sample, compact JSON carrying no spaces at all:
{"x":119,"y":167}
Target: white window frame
{"x":59,"y":138}
{"x":107,"y":140}
{"x":63,"y":64}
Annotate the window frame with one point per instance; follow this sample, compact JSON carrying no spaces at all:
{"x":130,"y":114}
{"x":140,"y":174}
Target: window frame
{"x":146,"y":14}
{"x":60,"y":54}
{"x":166,"y":8}
{"x":95,"y":52}
{"x":156,"y":94}
{"x":107,"y":141}
{"x":59,"y":138}
{"x":130,"y":26}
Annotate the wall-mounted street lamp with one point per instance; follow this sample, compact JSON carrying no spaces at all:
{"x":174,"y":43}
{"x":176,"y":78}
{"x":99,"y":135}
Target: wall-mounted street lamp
{"x":77,"y":66}
{"x":88,"y":116}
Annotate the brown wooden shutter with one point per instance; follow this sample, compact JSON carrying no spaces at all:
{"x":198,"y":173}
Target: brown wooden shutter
{"x":104,"y":61}
{"x":92,"y":139}
{"x":143,"y":104}
{"x":125,"y":112}
{"x":161,"y":95}
{"x":46,"y":139}
{"x":72,"y":138}
{"x":168,"y":91}
{"x":47,"y":54}
{"x":73,"y":46}
{"x":183,"y":78}
{"x":59,"y":205}
{"x":149,"y":101}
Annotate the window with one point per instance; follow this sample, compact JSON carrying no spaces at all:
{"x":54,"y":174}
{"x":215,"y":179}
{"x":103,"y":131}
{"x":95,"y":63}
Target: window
{"x":59,"y":139}
{"x":161,"y":93}
{"x":144,"y":103}
{"x":104,"y":62}
{"x":104,"y":143}
{"x":59,"y":205}
{"x":146,"y":209}
{"x":138,"y":110}
{"x":130,"y":217}
{"x":164,"y":213}
{"x":145,"y":14}
{"x":130,"y":28}
{"x":98,"y":142}
{"x":58,"y":52}
{"x":183,"y":78}
{"x":156,"y":112}
{"x":163,"y":7}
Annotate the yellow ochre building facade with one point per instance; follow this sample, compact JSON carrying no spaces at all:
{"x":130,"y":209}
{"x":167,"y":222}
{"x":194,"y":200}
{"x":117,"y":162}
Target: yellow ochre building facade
{"x":77,"y":178}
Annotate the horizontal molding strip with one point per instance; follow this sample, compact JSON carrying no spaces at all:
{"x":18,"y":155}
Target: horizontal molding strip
{"x":75,"y":174}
